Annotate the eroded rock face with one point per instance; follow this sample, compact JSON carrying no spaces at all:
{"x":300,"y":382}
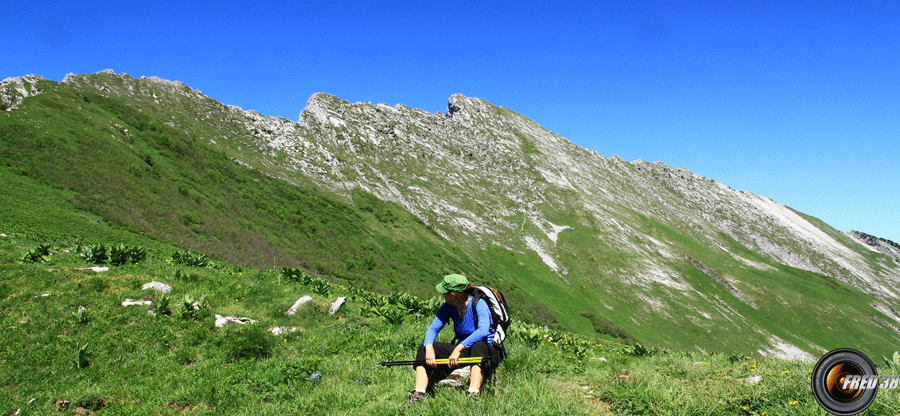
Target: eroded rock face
{"x":881,"y":245}
{"x":15,"y":89}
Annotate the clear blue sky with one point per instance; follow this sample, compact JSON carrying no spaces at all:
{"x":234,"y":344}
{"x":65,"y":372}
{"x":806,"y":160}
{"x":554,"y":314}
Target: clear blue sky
{"x":796,"y":102}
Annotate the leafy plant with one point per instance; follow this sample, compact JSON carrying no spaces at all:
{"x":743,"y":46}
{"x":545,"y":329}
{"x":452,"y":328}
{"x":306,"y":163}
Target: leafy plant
{"x":296,"y":275}
{"x":81,"y":357}
{"x":894,"y":361}
{"x":81,"y":316}
{"x":162,"y":304}
{"x":123,"y":254}
{"x":190,"y":259}
{"x":190,"y":308}
{"x":390,"y":313}
{"x":412,"y":304}
{"x":640,"y":350}
{"x":37,"y":254}
{"x":321,"y":287}
{"x":95,"y":255}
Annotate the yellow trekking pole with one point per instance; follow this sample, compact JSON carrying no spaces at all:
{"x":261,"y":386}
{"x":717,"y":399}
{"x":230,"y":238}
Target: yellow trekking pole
{"x":445,"y":361}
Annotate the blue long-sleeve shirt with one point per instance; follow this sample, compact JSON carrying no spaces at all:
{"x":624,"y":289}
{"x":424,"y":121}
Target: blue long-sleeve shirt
{"x":465,"y":327}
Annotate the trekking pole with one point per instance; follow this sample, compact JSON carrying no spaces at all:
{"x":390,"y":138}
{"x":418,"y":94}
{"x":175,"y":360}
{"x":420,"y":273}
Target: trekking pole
{"x":463,"y":360}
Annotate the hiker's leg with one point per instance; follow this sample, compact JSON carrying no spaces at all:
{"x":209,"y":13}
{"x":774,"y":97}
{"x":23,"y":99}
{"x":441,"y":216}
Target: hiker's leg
{"x":425,"y":375}
{"x":475,"y":378}
{"x":421,"y":378}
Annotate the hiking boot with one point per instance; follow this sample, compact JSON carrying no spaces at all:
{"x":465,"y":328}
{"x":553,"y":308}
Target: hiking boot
{"x":415,"y":397}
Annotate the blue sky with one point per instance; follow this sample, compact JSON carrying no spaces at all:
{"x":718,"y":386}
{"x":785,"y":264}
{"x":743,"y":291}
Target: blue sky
{"x":795,"y":101}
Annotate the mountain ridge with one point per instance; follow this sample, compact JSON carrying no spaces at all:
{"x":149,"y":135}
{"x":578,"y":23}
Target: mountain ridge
{"x":643,"y":243}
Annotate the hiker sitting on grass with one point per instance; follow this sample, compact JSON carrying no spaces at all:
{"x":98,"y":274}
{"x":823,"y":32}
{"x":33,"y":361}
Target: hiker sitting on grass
{"x":473,"y":342}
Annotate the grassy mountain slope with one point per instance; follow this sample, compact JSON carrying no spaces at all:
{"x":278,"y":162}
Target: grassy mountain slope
{"x":388,"y":198}
{"x":70,"y":347}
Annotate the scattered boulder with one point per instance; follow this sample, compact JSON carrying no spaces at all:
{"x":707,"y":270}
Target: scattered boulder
{"x":129,"y":302}
{"x":162,"y":287}
{"x":298,"y":303}
{"x":95,"y":268}
{"x":225,"y":320}
{"x":337,"y":304}
{"x":278,"y":330}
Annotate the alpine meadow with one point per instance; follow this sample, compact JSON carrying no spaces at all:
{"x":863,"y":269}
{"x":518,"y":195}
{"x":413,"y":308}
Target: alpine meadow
{"x":635,"y":288}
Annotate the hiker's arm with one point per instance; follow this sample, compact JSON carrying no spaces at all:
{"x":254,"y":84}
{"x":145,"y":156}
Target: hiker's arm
{"x":429,"y":355}
{"x":439,"y":321}
{"x":484,"y":325}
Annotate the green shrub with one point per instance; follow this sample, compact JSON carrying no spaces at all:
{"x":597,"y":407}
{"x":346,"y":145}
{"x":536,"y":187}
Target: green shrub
{"x":95,"y":255}
{"x":123,"y":254}
{"x":37,"y":254}
{"x":190,"y":308}
{"x":190,"y":259}
{"x":296,"y":275}
{"x":162,"y":304}
{"x":390,"y":313}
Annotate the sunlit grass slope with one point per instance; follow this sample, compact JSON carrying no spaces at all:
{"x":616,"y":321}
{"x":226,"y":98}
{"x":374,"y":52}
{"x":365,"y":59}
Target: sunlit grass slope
{"x":68,"y":341}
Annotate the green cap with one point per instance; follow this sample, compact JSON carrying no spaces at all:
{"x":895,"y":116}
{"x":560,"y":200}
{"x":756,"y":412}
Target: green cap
{"x":453,"y":283}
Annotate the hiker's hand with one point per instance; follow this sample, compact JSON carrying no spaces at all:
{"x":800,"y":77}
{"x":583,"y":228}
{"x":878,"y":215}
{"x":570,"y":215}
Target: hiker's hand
{"x":429,"y":356}
{"x":453,"y":360}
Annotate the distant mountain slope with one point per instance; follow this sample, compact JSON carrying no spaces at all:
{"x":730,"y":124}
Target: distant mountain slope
{"x":667,"y":254}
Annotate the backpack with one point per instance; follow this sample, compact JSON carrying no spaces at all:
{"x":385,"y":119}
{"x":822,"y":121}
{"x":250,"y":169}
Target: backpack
{"x":499,"y":312}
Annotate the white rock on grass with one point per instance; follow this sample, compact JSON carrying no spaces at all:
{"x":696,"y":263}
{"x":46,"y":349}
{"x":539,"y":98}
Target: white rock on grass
{"x":95,"y":268}
{"x":129,"y":302}
{"x":298,"y":303}
{"x":225,"y":320}
{"x":162,"y":287}
{"x":278,"y":330}
{"x":337,"y":304}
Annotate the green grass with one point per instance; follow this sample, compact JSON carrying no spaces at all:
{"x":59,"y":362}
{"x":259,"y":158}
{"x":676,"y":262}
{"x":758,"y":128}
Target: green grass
{"x":80,"y":345}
